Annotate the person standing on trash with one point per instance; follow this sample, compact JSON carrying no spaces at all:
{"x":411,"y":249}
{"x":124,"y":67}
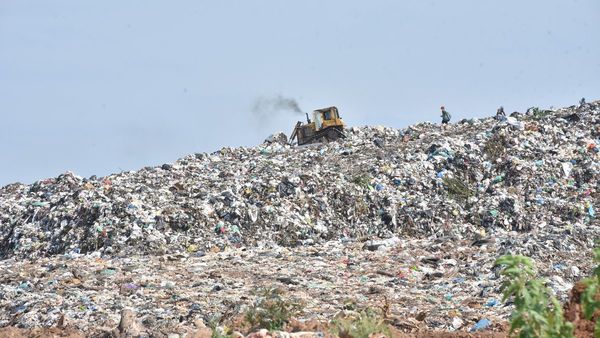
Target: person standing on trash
{"x":500,"y":115}
{"x":582,"y":102}
{"x":445,"y":116}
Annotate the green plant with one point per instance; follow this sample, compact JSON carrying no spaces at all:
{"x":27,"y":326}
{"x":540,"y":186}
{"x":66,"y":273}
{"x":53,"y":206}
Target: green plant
{"x":589,"y":298}
{"x":360,"y":325}
{"x":537,"y":313}
{"x":271,"y":311}
{"x":362,"y":180}
{"x":495,"y":147}
{"x":216,"y":333}
{"x":539,"y":113}
{"x":457,"y":189}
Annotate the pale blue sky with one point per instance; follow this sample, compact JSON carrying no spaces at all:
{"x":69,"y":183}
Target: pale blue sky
{"x":97,"y":87}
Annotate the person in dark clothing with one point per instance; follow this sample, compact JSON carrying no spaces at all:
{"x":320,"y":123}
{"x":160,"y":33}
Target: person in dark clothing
{"x":582,"y":102}
{"x":500,"y":115}
{"x":445,"y":116}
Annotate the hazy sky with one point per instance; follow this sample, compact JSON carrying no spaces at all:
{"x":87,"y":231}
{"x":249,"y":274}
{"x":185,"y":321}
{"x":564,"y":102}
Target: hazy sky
{"x":97,"y":87}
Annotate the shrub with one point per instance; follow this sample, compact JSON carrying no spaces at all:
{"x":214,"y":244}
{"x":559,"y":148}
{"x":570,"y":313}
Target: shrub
{"x":457,"y":189}
{"x":271,"y":311}
{"x":537,"y":313}
{"x":360,"y":325}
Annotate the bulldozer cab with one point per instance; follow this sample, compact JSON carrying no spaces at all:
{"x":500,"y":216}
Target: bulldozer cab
{"x":326,"y":117}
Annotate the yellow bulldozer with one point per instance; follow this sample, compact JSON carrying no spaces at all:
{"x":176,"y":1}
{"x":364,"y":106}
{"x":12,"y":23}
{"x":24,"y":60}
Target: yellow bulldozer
{"x":326,"y":125}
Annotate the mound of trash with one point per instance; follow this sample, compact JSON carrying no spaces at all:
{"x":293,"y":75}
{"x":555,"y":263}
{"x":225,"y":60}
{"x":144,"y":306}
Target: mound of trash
{"x":531,"y":172}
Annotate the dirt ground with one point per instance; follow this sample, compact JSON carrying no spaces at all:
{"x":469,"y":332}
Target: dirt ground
{"x":574,"y":313}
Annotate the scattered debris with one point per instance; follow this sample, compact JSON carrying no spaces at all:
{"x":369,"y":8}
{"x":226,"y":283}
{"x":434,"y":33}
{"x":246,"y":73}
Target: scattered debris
{"x":414,"y":216}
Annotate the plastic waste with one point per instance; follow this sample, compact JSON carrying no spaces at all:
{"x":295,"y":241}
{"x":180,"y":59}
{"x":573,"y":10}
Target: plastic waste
{"x":482,"y":324}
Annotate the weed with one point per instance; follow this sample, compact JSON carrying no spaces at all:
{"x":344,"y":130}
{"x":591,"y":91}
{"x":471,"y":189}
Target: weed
{"x":457,"y":189}
{"x":360,"y":325}
{"x":495,"y":147}
{"x":271,"y":311}
{"x":538,"y":114}
{"x":537,"y":313}
{"x":216,"y":333}
{"x":362,"y":180}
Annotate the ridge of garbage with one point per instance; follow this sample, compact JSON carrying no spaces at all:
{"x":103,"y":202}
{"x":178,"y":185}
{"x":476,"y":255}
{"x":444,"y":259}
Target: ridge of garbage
{"x":532,"y":172}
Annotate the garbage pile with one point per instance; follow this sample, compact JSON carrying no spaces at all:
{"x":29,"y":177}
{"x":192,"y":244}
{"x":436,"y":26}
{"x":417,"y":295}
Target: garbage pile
{"x":411,"y":220}
{"x":531,"y":172}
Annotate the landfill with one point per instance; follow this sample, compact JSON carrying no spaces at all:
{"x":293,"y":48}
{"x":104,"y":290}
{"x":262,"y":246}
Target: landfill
{"x":413,"y":218}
